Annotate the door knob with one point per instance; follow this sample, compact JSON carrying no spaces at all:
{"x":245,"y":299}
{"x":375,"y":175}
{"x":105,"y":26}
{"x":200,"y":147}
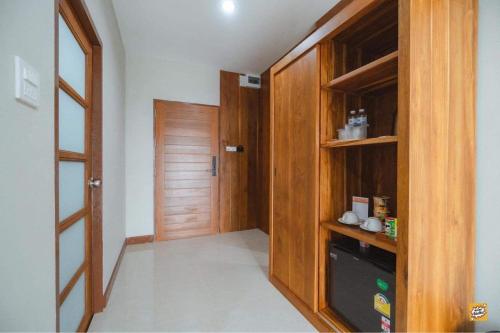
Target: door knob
{"x":95,"y":183}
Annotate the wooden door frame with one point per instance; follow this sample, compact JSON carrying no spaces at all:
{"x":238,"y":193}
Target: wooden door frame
{"x":94,"y":142}
{"x":157,"y":192}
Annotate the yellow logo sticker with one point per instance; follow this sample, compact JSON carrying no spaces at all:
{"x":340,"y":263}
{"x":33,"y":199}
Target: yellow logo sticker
{"x":382,"y":305}
{"x":478,"y":311}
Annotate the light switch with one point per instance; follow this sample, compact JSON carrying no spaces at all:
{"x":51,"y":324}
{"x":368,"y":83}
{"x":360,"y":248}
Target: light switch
{"x":27,"y":83}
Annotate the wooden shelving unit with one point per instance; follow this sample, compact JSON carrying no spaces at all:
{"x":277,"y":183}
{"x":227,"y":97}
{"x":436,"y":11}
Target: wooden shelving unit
{"x":362,"y":72}
{"x":377,"y":73}
{"x":369,"y":56}
{"x":389,"y":139}
{"x":364,"y":236}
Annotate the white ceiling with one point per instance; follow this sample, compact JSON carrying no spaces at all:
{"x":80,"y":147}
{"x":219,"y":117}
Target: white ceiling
{"x":248,"y":41}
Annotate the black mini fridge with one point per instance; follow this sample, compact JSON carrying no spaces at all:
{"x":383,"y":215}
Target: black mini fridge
{"x":362,"y":285}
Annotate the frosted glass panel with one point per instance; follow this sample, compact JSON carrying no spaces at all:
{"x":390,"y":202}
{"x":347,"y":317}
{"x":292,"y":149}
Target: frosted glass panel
{"x":71,"y":252}
{"x":73,"y":308}
{"x":71,"y":59}
{"x":71,"y":124}
{"x":71,"y":188}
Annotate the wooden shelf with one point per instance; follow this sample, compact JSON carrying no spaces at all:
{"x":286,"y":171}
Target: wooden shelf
{"x":377,"y":73}
{"x":364,"y":142}
{"x":364,"y":236}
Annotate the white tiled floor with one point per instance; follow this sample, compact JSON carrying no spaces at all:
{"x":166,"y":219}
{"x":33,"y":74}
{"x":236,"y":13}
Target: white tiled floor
{"x":215,"y":283}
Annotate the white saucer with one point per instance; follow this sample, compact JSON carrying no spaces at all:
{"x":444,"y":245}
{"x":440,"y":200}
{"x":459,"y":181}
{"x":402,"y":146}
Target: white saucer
{"x":365,"y":229}
{"x":355,"y":224}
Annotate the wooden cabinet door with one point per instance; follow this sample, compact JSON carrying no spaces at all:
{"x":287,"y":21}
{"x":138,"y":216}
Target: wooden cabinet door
{"x":295,"y":185}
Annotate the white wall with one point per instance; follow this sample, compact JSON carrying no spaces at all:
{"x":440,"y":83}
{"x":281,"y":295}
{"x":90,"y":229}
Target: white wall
{"x":104,"y":19}
{"x":27,"y":247}
{"x":488,"y":163}
{"x":27,"y":252}
{"x":148,"y":79}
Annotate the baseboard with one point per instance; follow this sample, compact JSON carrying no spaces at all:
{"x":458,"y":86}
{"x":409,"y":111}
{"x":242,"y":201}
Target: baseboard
{"x":111,"y":282}
{"x":127,"y":241}
{"x":312,"y":317}
{"x":140,"y":239}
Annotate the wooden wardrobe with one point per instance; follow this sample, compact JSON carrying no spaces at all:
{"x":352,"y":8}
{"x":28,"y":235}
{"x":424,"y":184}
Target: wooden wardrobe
{"x":411,"y":64}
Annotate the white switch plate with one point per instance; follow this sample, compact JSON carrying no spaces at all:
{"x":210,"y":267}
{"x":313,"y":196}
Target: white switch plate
{"x":27,"y":83}
{"x":231,"y":149}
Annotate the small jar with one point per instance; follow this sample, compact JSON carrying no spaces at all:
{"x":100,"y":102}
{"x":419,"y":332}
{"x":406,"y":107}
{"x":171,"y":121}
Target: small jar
{"x":359,"y":132}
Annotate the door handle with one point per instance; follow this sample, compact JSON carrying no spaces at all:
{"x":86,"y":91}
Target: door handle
{"x":214,"y":166}
{"x":95,"y":183}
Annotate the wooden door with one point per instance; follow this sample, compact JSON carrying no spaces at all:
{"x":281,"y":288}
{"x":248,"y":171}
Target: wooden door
{"x":239,"y":110}
{"x":74,"y":113}
{"x":186,"y":172}
{"x":295,"y":180}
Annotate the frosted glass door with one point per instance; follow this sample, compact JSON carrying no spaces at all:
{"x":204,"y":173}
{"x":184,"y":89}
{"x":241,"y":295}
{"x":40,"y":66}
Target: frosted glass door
{"x":71,"y":124}
{"x":71,"y":59}
{"x":73,"y":211}
{"x":71,"y":188}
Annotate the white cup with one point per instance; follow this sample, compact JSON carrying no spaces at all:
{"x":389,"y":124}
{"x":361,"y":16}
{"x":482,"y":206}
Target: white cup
{"x":350,"y":218}
{"x":372,"y":224}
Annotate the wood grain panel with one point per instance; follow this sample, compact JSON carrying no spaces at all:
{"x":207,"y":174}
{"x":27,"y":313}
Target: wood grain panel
{"x":183,"y":166}
{"x":188,"y":124}
{"x":187,"y":158}
{"x":238,"y":182}
{"x":304,"y":175}
{"x":280,"y":209}
{"x":187,"y":209}
{"x":187,"y":175}
{"x":195,"y":225}
{"x":263,"y":152}
{"x":436,"y":163}
{"x":295,"y":159}
{"x":181,"y":184}
{"x":187,"y":218}
{"x":186,"y":201}
{"x":179,"y":234}
{"x":185,"y":141}
{"x":179,"y":149}
{"x":187,"y":130}
{"x":249,"y":112}
{"x":332,"y":163}
{"x":193,"y":114}
{"x":229,"y":127}
{"x":186,"y":192}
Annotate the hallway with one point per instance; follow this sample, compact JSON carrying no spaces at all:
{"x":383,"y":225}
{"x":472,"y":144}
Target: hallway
{"x":215,"y":283}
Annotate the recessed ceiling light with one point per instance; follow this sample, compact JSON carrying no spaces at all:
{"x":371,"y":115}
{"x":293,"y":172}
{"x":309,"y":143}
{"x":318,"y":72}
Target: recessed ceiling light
{"x":228,"y":6}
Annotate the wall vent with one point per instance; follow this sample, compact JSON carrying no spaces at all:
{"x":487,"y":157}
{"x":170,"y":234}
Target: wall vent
{"x":250,"y":81}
